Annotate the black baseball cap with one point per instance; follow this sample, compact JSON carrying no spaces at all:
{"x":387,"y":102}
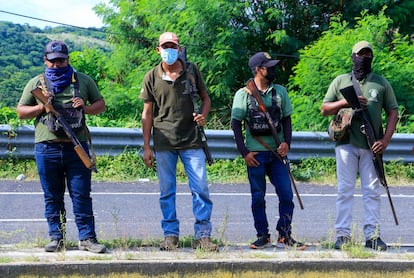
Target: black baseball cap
{"x":262,"y":59}
{"x":56,"y":49}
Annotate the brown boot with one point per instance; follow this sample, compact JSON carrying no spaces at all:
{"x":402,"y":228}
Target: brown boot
{"x":205,"y":244}
{"x":170,"y":243}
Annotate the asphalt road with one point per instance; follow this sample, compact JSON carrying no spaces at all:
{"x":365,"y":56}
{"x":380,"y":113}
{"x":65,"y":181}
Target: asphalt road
{"x":131,"y":210}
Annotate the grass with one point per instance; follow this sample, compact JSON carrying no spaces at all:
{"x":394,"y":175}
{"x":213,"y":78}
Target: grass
{"x":129,"y":167}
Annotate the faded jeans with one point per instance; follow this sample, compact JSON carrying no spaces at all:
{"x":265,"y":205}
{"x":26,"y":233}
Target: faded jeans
{"x":194,"y":162}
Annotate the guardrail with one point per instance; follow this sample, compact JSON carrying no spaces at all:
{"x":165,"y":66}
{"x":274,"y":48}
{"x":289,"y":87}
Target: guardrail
{"x":113,"y":141}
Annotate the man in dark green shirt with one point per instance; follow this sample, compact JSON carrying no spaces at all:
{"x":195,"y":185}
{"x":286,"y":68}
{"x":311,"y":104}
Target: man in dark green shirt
{"x":57,"y":162}
{"x":169,"y":115}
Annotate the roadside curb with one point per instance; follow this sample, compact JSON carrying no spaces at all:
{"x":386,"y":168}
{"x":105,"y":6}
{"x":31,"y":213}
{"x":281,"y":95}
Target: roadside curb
{"x":149,"y":261}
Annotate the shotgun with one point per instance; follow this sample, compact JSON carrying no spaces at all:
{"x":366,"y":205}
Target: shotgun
{"x":253,"y":88}
{"x":351,"y":97}
{"x":44,"y":97}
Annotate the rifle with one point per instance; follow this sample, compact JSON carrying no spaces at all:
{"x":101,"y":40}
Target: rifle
{"x":191,"y":86}
{"x":202,"y":134}
{"x":351,"y":96}
{"x":45,"y":98}
{"x":253,"y":88}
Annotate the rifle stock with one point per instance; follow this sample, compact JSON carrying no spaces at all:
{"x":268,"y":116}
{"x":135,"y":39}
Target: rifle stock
{"x":253,"y":88}
{"x":43,"y":97}
{"x":351,"y":97}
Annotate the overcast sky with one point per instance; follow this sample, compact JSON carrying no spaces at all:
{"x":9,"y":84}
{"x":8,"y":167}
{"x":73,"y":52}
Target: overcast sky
{"x":72,"y":12}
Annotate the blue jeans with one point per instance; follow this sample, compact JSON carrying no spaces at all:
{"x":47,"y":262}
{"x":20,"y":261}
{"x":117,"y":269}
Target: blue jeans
{"x":59,"y":166}
{"x":194,"y":162}
{"x":272,"y":167}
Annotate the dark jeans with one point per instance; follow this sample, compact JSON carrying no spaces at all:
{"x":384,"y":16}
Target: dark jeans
{"x":59,"y":166}
{"x":272,"y":167}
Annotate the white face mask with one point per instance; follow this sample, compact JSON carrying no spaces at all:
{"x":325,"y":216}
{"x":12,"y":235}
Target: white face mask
{"x":169,"y":55}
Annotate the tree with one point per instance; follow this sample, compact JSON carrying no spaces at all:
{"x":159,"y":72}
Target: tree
{"x":330,"y":55}
{"x":220,"y":36}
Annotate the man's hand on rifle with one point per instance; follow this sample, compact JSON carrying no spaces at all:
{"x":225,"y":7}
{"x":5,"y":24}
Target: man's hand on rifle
{"x":199,"y":119}
{"x":363,"y":101}
{"x":78,"y":102}
{"x":379,"y":146}
{"x":283,"y":149}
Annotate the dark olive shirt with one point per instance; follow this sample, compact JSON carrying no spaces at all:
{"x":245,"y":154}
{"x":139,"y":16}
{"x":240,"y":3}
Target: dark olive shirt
{"x":173,"y":122}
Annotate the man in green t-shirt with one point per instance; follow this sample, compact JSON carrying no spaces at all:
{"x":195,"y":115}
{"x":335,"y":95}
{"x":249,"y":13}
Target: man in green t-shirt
{"x":353,"y":154}
{"x":259,"y":148}
{"x":58,"y":164}
{"x":168,"y":115}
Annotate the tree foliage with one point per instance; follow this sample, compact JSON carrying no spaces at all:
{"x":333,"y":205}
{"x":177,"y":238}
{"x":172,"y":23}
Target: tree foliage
{"x":330,"y":56}
{"x":221,"y":35}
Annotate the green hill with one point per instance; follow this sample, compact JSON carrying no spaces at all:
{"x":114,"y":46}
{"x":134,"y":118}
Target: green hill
{"x":21,"y":48}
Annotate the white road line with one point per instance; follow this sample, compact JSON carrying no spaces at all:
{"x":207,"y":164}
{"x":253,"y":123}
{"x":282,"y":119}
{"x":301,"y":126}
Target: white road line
{"x":188,"y":193}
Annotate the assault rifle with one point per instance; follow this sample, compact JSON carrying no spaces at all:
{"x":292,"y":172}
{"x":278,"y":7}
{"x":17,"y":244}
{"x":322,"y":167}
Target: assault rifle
{"x":191,"y":86}
{"x":351,"y":97}
{"x":45,"y":98}
{"x":255,"y":92}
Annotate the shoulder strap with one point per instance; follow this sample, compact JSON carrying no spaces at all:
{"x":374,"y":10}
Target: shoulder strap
{"x":255,"y":93}
{"x":46,"y":85}
{"x":191,"y":85}
{"x":356,"y":85}
{"x":75,"y":84}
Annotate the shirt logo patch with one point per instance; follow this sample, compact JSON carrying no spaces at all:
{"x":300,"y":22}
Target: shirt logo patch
{"x":373,"y":95}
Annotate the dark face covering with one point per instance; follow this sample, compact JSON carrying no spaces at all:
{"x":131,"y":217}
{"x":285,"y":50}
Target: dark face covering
{"x":361,"y":66}
{"x":271,"y":74}
{"x":59,"y":78}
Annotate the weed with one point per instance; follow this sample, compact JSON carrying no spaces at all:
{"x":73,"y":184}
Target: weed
{"x":4,"y":260}
{"x":129,"y":166}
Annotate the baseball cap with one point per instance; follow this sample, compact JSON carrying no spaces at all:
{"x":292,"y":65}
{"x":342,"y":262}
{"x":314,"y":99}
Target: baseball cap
{"x":168,"y":37}
{"x":361,"y":45}
{"x":262,"y":59}
{"x":56,"y":49}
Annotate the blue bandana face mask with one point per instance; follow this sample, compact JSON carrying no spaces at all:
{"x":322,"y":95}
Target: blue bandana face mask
{"x":169,"y":55}
{"x":59,"y":78}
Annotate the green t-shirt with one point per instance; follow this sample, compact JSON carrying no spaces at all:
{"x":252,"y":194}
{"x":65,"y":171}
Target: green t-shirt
{"x":380,"y":95}
{"x":240,"y":108}
{"x":173,"y":122}
{"x":88,"y":91}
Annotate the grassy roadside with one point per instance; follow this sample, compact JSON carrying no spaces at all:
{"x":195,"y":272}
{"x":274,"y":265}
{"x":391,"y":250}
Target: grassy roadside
{"x":129,"y":167}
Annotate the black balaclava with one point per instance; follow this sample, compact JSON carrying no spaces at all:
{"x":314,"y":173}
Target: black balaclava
{"x":361,"y":66}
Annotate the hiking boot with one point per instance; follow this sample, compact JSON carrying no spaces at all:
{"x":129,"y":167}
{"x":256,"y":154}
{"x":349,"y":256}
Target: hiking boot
{"x":341,"y":241}
{"x":376,"y":244}
{"x":170,"y":243}
{"x":92,"y":245}
{"x":261,"y":242}
{"x":205,"y":244}
{"x":55,"y":245}
{"x":286,"y":242}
